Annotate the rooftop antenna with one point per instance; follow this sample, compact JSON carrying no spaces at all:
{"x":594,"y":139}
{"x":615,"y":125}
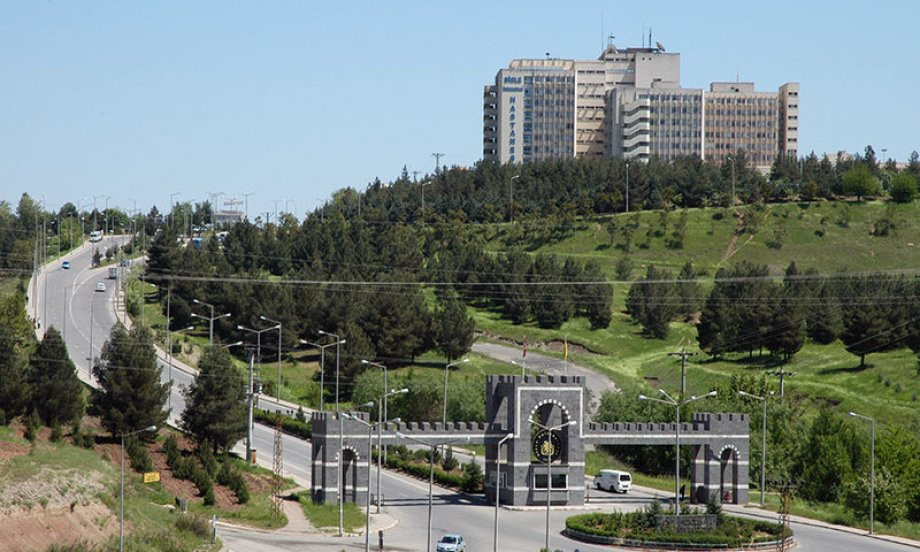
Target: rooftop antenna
{"x":643,"y":35}
{"x":649,"y":37}
{"x":737,"y":74}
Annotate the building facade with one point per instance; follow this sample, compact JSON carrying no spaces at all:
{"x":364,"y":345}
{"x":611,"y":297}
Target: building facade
{"x":630,"y":104}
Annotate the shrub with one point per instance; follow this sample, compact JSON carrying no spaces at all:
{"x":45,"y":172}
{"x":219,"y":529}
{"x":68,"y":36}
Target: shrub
{"x":231,"y":478}
{"x":903,"y":187}
{"x":137,"y":453}
{"x":289,"y":425}
{"x":56,"y":433}
{"x":206,"y":455}
{"x":195,"y":524}
{"x":449,"y":463}
{"x":472,"y":477}
{"x":209,"y":496}
{"x":33,"y":423}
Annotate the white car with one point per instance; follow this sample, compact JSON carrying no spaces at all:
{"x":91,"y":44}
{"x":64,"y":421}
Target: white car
{"x":451,"y":543}
{"x":100,"y":286}
{"x":613,"y":480}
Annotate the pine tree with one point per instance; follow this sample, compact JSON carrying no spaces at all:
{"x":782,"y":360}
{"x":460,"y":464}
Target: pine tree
{"x":688,"y":291}
{"x":824,"y":321}
{"x":652,"y":302}
{"x":15,"y":336}
{"x":130,"y":395}
{"x":453,"y":328}
{"x":215,"y":407}
{"x":595,"y":300}
{"x":57,"y":394}
{"x":787,"y":332}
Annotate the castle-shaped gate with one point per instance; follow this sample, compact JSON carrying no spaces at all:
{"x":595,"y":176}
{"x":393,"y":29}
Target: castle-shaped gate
{"x":718,"y":444}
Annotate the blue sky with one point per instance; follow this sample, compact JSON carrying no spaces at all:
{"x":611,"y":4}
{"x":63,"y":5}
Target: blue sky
{"x":294,"y":100}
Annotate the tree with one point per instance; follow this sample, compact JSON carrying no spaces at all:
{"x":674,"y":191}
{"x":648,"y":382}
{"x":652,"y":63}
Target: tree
{"x":824,"y":322}
{"x":595,"y":299}
{"x":453,"y":328}
{"x":15,"y":338}
{"x":130,"y":395}
{"x":860,"y":181}
{"x":787,"y":332}
{"x":215,"y":409}
{"x":869,"y":324}
{"x":890,"y":497}
{"x":57,"y":394}
{"x":828,"y":457}
{"x":652,"y":302}
{"x":903,"y":187}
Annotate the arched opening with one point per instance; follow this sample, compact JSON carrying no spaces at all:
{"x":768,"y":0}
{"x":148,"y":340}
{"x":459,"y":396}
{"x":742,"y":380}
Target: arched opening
{"x":349,"y":475}
{"x":552,"y":445}
{"x":728,"y":475}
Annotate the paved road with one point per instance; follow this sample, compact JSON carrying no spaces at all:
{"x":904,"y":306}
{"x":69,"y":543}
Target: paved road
{"x":406,"y":498}
{"x":595,"y":382}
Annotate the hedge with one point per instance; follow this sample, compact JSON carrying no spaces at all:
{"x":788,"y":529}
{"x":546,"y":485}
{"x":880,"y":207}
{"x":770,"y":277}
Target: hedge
{"x":291,"y":426}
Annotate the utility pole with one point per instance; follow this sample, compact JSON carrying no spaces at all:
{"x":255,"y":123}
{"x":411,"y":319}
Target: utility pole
{"x":783,"y":374}
{"x":246,"y":200}
{"x":249,"y":414}
{"x":627,"y":186}
{"x":683,"y":368}
{"x":437,"y":161}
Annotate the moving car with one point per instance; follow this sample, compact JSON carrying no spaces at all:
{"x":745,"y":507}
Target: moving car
{"x":65,"y":265}
{"x":100,"y":286}
{"x":613,"y":480}
{"x":451,"y":543}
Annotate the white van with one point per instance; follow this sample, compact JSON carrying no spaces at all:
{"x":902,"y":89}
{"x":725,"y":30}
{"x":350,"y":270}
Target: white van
{"x":613,"y":480}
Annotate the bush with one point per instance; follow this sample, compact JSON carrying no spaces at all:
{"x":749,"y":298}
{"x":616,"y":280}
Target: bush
{"x":231,"y":478}
{"x":194,"y":524}
{"x":472,"y":477}
{"x":33,"y":423}
{"x":449,"y":463}
{"x":137,"y":453}
{"x":206,"y":455}
{"x":209,"y":496}
{"x":289,"y":425}
{"x":56,"y":433}
{"x":903,"y":187}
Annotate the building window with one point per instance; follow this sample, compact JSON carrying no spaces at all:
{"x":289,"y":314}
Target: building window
{"x":560,"y":481}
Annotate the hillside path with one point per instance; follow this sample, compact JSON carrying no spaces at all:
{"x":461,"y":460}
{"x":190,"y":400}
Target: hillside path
{"x":596,"y":382}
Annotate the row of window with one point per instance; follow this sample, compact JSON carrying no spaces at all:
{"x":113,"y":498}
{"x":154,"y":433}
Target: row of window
{"x":743,"y":112}
{"x":741,"y":101}
{"x":676,"y":122}
{"x":752,"y":135}
{"x":739,"y":124}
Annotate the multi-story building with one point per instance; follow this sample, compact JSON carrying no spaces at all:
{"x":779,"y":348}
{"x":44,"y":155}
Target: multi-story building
{"x":630,"y":104}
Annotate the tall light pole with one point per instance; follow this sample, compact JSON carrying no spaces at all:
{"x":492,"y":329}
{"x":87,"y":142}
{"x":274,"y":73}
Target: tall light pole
{"x":322,"y":365}
{"x":339,"y":341}
{"x":511,"y":199}
{"x":210,"y":319}
{"x":498,"y":472}
{"x":549,"y":458}
{"x":386,"y":383}
{"x":430,"y":473}
{"x":246,"y":200}
{"x":169,"y":358}
{"x":170,"y":219}
{"x":627,"y":186}
{"x":447,"y":368}
{"x":763,"y":442}
{"x":677,"y":404}
{"x":278,"y":322}
{"x":121,"y":517}
{"x":258,"y":341}
{"x":872,"y":473}
{"x":380,"y":420}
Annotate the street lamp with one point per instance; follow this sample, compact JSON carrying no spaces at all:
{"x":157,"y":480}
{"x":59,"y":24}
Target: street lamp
{"x":511,"y":199}
{"x":872,"y":473}
{"x":446,"y":372}
{"x":498,"y":472}
{"x":627,"y":186}
{"x":169,"y":358}
{"x":322,"y":365}
{"x":676,"y":404}
{"x":339,"y":341}
{"x":380,"y":419}
{"x":549,"y":458}
{"x":210,"y":319}
{"x":431,"y":472}
{"x":278,"y":322}
{"x":367,"y":513}
{"x":763,"y":443}
{"x":121,"y":521}
{"x":386,"y":384}
{"x":522,"y":365}
{"x":258,"y":341}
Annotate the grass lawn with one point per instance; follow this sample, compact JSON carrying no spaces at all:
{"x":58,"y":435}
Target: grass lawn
{"x":327,"y":515}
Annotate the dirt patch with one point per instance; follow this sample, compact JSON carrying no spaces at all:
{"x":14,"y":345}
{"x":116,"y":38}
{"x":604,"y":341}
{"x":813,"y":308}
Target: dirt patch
{"x":50,"y":489}
{"x":40,"y":528}
{"x":12,"y":450}
{"x":551,"y":345}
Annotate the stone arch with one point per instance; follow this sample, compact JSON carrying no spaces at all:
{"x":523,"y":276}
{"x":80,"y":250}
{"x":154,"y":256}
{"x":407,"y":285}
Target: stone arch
{"x":728,"y":459}
{"x":566,"y":416}
{"x":348,"y":448}
{"x":350,"y":456}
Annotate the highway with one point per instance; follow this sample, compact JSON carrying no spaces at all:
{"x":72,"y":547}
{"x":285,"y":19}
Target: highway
{"x":90,"y":315}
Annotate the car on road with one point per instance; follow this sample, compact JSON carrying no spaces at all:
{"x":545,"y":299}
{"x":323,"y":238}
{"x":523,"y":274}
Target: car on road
{"x":100,"y":286}
{"x":451,"y":543}
{"x":613,"y":480}
{"x":65,"y":265}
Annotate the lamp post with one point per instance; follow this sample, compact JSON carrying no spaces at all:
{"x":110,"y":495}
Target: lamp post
{"x":278,"y":322}
{"x":121,"y":520}
{"x":447,"y":368}
{"x":677,"y":404}
{"x":322,"y":365}
{"x":511,"y":198}
{"x":258,"y":341}
{"x":339,"y":341}
{"x":210,"y":319}
{"x":872,"y":473}
{"x":169,"y":358}
{"x":430,"y":472}
{"x":386,"y":384}
{"x":498,"y":473}
{"x":627,"y":186}
{"x":763,"y":442}
{"x":549,"y":457}
{"x":380,"y":419}
{"x":522,"y":365}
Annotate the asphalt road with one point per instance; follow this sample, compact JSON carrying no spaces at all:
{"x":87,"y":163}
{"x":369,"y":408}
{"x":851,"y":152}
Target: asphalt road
{"x":90,"y":314}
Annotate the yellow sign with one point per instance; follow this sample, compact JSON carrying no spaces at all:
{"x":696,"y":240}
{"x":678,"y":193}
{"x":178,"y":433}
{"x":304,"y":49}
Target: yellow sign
{"x":151,"y":477}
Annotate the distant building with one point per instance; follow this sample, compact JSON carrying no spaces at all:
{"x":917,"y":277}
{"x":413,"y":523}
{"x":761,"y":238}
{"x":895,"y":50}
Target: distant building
{"x":226,"y":216}
{"x":630,"y":104}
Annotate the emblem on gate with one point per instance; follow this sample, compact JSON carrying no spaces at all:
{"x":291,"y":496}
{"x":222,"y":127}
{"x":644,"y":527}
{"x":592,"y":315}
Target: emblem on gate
{"x":546,"y":444}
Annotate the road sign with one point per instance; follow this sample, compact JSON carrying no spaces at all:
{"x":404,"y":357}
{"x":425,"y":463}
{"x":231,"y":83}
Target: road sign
{"x":151,"y":477}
